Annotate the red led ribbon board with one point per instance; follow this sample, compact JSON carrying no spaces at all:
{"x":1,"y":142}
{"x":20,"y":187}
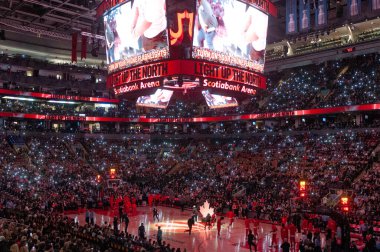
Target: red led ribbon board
{"x":212,"y":75}
{"x":56,"y":96}
{"x":142,"y":119}
{"x":141,"y":73}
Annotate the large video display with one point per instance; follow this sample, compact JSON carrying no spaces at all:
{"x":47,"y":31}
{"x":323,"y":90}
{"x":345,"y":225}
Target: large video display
{"x":235,"y":30}
{"x":215,"y":101}
{"x":220,"y":42}
{"x":160,"y":99}
{"x":135,"y":28}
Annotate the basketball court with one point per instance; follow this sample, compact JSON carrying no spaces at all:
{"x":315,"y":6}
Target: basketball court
{"x":173,"y":222}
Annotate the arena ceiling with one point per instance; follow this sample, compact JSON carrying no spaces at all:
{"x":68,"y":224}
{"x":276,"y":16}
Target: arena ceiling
{"x":64,"y":16}
{"x":58,"y":19}
{"x":50,"y":15}
{"x":36,"y":22}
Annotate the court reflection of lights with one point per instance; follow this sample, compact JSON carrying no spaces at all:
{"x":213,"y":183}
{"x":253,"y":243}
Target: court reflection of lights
{"x":174,"y":225}
{"x":179,"y":226}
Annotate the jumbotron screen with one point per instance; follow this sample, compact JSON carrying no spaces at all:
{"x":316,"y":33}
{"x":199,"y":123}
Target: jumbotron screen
{"x":235,"y":30}
{"x":135,"y":28}
{"x":215,"y":101}
{"x":160,"y":99}
{"x":221,"y":43}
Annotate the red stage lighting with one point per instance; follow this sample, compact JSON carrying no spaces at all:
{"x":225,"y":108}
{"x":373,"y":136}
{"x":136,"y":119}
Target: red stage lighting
{"x":302,"y":188}
{"x":344,"y":200}
{"x":302,"y":185}
{"x":112,"y":173}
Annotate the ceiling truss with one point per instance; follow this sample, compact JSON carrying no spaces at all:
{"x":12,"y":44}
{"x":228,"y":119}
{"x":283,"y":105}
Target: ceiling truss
{"x":51,"y":16}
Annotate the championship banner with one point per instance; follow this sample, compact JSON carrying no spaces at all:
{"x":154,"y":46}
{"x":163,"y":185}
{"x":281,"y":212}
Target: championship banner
{"x":304,"y":15}
{"x":74,"y":41}
{"x":320,"y":7}
{"x":291,"y":17}
{"x":83,"y":52}
{"x":375,"y":5}
{"x":354,"y":7}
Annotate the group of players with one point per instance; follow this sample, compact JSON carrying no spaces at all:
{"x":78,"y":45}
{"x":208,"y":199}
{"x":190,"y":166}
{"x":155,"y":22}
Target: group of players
{"x":252,"y":227}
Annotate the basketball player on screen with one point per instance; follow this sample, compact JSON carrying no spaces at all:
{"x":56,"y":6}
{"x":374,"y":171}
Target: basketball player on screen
{"x":255,"y":33}
{"x":207,"y":24}
{"x":149,"y":23}
{"x":110,"y":38}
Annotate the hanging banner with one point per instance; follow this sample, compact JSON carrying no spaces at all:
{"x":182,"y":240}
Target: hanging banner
{"x":291,"y":16}
{"x":74,"y":41}
{"x":320,"y":7}
{"x":375,"y":5}
{"x":354,"y":7}
{"x":304,"y":15}
{"x":83,"y":52}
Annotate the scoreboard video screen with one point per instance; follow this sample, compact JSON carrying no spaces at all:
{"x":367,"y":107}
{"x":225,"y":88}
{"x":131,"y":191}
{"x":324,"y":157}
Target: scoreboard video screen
{"x":232,"y":29}
{"x":215,"y":101}
{"x":160,"y":99}
{"x":135,"y":28}
{"x":150,"y":40}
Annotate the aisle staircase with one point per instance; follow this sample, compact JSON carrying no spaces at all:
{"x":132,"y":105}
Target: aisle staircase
{"x":239,"y":192}
{"x":17,"y":142}
{"x":174,"y":169}
{"x":376,"y":154}
{"x":77,"y":150}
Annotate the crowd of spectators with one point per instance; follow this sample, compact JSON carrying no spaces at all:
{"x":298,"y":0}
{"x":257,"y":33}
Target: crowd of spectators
{"x":314,"y":43}
{"x":27,"y":61}
{"x":37,"y":184}
{"x":258,"y":176}
{"x":38,"y":229}
{"x":52,"y":82}
{"x":367,"y":188}
{"x":350,"y":81}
